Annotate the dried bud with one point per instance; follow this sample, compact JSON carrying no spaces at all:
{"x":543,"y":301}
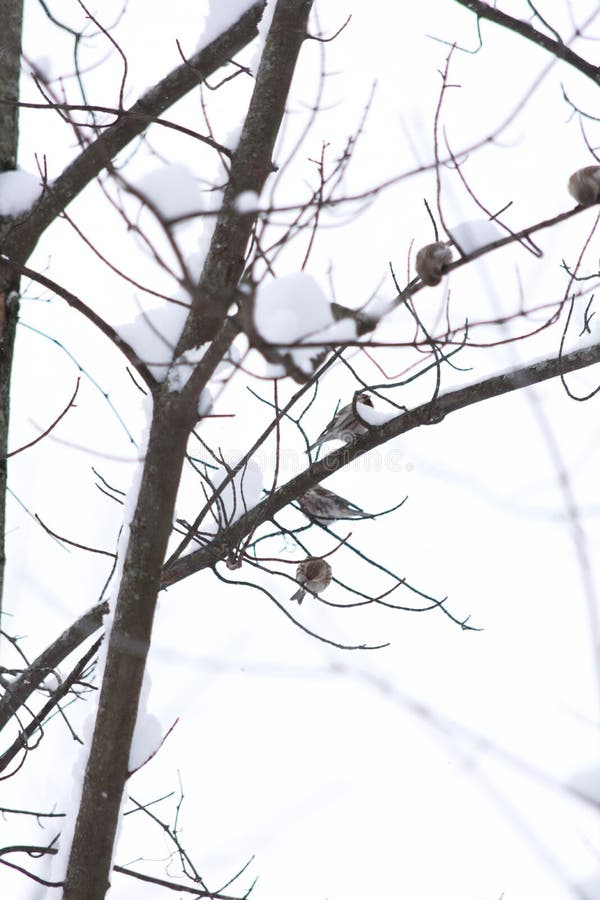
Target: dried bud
{"x":584,"y":185}
{"x":432,"y":262}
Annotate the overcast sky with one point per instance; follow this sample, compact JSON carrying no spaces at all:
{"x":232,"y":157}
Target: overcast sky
{"x":435,"y":767}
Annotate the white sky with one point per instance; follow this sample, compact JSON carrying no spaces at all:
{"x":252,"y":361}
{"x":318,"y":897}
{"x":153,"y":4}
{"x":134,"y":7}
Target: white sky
{"x":390,"y":773}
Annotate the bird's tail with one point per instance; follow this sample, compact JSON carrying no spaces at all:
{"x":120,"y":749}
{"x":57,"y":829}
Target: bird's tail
{"x":299,"y":595}
{"x":314,"y":445}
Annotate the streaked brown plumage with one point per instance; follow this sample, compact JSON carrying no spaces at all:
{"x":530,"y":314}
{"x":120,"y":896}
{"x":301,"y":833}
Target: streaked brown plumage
{"x":584,"y":185}
{"x":432,"y":262}
{"x":346,"y":424}
{"x":314,"y":574}
{"x":325,"y":506}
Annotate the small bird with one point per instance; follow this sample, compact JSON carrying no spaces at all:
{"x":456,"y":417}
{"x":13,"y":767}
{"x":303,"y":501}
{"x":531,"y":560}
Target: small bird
{"x":325,"y":506}
{"x":432,"y":262}
{"x":584,"y":185}
{"x":314,"y":574}
{"x":346,"y":425}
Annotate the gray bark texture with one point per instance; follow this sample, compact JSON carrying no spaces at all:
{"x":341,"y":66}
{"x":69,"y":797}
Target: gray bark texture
{"x":11,"y":19}
{"x":174,"y":415}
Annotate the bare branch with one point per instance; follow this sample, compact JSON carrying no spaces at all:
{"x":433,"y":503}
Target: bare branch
{"x":22,"y":238}
{"x":558,"y":49}
{"x":75,"y":303}
{"x":426,"y":414}
{"x":21,"y":742}
{"x":21,"y":689}
{"x":174,"y":415}
{"x":51,"y":427}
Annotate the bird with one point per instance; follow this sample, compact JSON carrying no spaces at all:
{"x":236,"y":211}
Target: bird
{"x":346,"y":425}
{"x":314,"y":574}
{"x":432,"y":262}
{"x":584,"y":185}
{"x":325,"y":506}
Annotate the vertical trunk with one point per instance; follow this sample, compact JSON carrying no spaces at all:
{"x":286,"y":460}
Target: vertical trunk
{"x":11,"y":19}
{"x":91,"y":852}
{"x":88,"y":873}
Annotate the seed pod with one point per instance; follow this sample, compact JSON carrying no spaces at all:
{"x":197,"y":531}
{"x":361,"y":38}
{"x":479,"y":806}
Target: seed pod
{"x":432,"y":262}
{"x":584,"y":185}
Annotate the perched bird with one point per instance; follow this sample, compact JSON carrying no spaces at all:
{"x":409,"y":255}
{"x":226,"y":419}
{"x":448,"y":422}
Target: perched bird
{"x":324,"y":506}
{"x":584,"y":185}
{"x":346,"y":425}
{"x":314,"y":574}
{"x":432,"y":262}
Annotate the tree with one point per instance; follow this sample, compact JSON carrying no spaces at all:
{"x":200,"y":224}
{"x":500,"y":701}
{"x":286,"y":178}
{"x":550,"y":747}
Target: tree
{"x":239,"y":309}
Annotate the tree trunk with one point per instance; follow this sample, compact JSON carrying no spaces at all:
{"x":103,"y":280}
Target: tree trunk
{"x":90,"y":861}
{"x":11,"y":20}
{"x":107,"y":770}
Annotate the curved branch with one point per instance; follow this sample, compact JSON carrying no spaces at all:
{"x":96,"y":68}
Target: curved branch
{"x":31,"y":678}
{"x":427,"y":414}
{"x":65,"y":540}
{"x":286,"y":612}
{"x":557,"y":48}
{"x":23,"y":237}
{"x":34,"y":851}
{"x":50,"y":428}
{"x":75,"y":303}
{"x":146,"y":118}
{"x":20,"y":742}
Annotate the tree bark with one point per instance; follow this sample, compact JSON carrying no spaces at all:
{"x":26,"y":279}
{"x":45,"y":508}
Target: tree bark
{"x":559,"y":49}
{"x":90,"y":860}
{"x":20,"y":242}
{"x":107,"y":770}
{"x":11,"y":21}
{"x":18,"y":238}
{"x":18,"y":693}
{"x":250,"y":167}
{"x":426,"y":414}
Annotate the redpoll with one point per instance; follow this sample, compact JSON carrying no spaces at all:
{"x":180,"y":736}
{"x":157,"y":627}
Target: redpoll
{"x":584,"y":185}
{"x":314,"y":574}
{"x":346,"y":425}
{"x":432,"y":262}
{"x":324,"y":506}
